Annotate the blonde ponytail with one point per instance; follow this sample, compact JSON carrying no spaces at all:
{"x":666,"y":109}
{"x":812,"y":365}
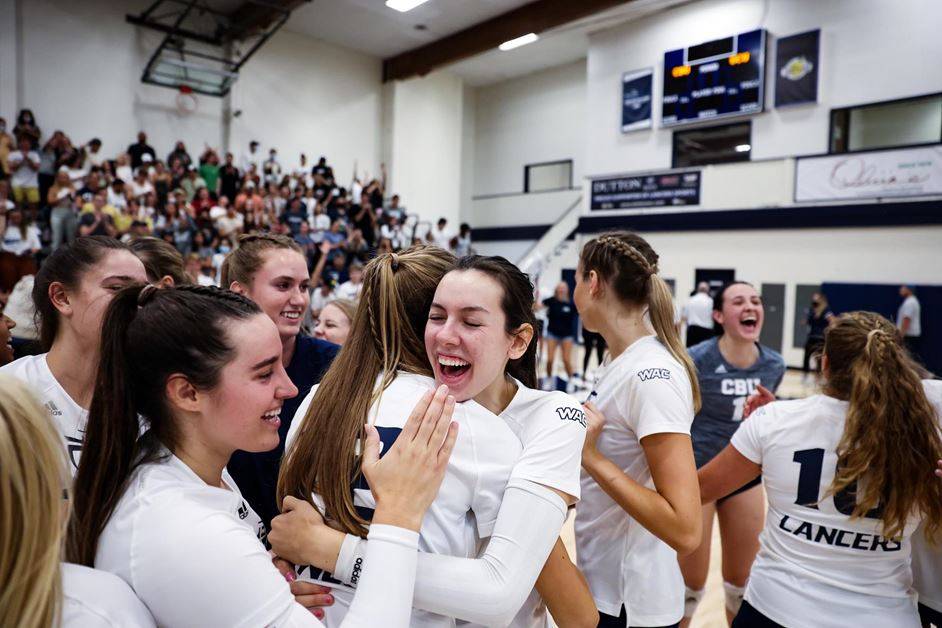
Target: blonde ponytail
{"x":661,"y":312}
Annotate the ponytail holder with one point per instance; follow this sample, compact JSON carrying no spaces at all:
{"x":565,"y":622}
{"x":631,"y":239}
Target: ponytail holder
{"x":146,"y":294}
{"x":872,"y":333}
{"x":395,"y":261}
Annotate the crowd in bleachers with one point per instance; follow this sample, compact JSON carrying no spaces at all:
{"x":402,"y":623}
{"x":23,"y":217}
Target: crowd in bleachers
{"x":53,"y":190}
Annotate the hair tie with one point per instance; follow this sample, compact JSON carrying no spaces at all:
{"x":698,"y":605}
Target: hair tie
{"x":146,"y":294}
{"x":394,"y":261}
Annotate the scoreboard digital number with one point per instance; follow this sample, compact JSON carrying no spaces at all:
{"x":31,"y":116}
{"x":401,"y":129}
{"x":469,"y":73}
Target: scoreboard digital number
{"x":715,"y":79}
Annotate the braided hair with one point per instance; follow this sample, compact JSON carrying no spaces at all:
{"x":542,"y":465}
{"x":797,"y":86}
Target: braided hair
{"x":148,"y":335}
{"x":891,"y":435}
{"x":628,"y":264}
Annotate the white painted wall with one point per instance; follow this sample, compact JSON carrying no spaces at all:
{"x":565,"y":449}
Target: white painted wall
{"x":82,"y":65}
{"x":300,"y":94}
{"x":536,"y":118}
{"x":871,"y":50}
{"x":426,"y":150}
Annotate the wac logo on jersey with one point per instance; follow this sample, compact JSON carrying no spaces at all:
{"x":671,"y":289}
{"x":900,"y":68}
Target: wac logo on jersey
{"x":647,"y":374}
{"x":567,"y":413}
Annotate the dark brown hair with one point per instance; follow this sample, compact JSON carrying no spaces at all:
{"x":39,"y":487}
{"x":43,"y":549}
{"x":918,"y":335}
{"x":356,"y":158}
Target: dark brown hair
{"x":148,"y":334}
{"x":517,"y":305}
{"x":67,"y":265}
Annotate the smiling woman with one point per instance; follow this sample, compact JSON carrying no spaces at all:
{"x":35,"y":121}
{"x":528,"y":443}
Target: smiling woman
{"x":71,"y":293}
{"x":271,"y":271}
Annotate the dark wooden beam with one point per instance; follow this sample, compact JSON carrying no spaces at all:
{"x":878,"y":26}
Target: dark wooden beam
{"x":535,"y":17}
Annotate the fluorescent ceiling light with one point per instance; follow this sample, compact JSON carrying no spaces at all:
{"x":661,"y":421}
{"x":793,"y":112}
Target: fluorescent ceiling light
{"x":529,"y":38}
{"x":742,"y":148}
{"x":404,"y":5}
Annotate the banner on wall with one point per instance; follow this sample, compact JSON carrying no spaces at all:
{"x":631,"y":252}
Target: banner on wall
{"x":636,"y":100}
{"x":649,"y":190}
{"x":796,"y":69}
{"x":890,"y":173}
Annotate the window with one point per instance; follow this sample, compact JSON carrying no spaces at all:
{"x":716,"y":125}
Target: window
{"x":906,"y":122}
{"x":551,"y":175}
{"x":712,"y":145}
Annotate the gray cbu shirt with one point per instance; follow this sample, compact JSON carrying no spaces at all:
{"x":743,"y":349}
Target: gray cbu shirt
{"x":724,"y":389}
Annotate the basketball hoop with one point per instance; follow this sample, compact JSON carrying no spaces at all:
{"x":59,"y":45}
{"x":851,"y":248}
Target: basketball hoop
{"x":186,"y":100}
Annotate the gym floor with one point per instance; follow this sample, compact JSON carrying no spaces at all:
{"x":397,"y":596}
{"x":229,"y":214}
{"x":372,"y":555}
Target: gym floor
{"x":711,"y":612}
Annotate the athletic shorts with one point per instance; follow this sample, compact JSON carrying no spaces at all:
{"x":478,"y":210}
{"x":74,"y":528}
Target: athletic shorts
{"x":550,"y":335}
{"x":26,"y":195}
{"x":752,"y":484}
{"x":749,"y":617}
{"x":930,"y":616}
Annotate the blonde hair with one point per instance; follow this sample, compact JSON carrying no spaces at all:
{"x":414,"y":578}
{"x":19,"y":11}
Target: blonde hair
{"x":891,"y":439}
{"x":31,"y":530}
{"x":386,"y":336}
{"x":628,"y":263}
{"x":347,"y":306}
{"x":249,"y":256}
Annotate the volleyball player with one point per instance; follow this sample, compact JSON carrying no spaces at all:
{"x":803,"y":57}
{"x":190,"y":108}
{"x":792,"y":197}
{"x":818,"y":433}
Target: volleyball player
{"x":640,"y":501}
{"x":38,"y":591}
{"x":849,"y":477}
{"x":201,"y":367}
{"x":272,"y":271}
{"x":71,"y":292}
{"x":480,"y":325}
{"x":334,"y":321}
{"x":730,"y":368}
{"x":162,"y":261}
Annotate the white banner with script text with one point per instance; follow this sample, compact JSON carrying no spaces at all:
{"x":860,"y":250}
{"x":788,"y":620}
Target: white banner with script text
{"x":889,"y":173}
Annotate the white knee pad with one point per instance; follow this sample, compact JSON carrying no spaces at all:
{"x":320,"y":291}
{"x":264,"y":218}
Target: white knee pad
{"x":692,"y":599}
{"x":733,"y":596}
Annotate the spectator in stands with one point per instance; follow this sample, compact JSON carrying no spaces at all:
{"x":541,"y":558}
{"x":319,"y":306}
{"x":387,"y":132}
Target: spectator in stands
{"x":26,"y":128}
{"x":271,"y":168}
{"x":49,"y":165}
{"x":333,"y":324}
{"x":351,"y":288}
{"x":123,"y":169}
{"x":698,"y":315}
{"x":232,"y":222}
{"x":63,"y":219}
{"x":908,"y":321}
{"x":229,"y":178}
{"x":250,"y":159}
{"x":322,"y":169}
{"x":24,"y":166}
{"x":6,"y":145}
{"x":93,"y":155}
{"x":336,"y":271}
{"x":439,"y":235}
{"x":209,"y":169}
{"x":462,"y":241}
{"x":357,"y":248}
{"x":137,"y":151}
{"x":21,"y":236}
{"x":192,"y":182}
{"x":117,"y":195}
{"x":393,"y":208}
{"x":295,"y":216}
{"x":96,"y":222}
{"x":179,"y":155}
{"x":141,"y":184}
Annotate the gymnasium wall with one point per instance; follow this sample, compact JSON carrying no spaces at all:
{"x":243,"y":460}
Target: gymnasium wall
{"x":80,"y":66}
{"x":871,"y":50}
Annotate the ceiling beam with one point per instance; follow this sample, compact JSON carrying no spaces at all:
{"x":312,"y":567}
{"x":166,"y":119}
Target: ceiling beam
{"x":535,"y":17}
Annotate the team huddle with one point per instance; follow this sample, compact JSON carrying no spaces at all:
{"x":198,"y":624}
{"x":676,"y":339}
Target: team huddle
{"x":222,"y":468}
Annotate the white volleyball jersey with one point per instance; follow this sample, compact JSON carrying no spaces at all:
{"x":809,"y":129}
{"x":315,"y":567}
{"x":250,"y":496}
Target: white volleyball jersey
{"x":816,"y":565}
{"x":192,"y":552}
{"x":470,"y":495}
{"x":551,"y":426}
{"x":927,"y":559}
{"x":69,"y":417}
{"x":92,"y":598}
{"x":643,"y":391}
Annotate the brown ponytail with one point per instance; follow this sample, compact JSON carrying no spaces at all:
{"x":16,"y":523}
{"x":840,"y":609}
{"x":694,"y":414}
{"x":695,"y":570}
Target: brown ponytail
{"x":629,"y":264}
{"x":386,"y":336}
{"x":891,"y":438}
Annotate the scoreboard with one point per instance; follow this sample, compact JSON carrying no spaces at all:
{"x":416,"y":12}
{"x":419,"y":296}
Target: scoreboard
{"x":715,"y":79}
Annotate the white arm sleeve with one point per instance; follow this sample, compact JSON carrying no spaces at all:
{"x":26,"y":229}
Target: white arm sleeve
{"x":384,"y":597}
{"x":489,"y":589}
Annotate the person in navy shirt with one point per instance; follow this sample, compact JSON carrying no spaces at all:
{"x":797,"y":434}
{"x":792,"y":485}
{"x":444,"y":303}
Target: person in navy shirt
{"x":730,"y":368}
{"x":560,"y":328}
{"x":272,"y":271}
